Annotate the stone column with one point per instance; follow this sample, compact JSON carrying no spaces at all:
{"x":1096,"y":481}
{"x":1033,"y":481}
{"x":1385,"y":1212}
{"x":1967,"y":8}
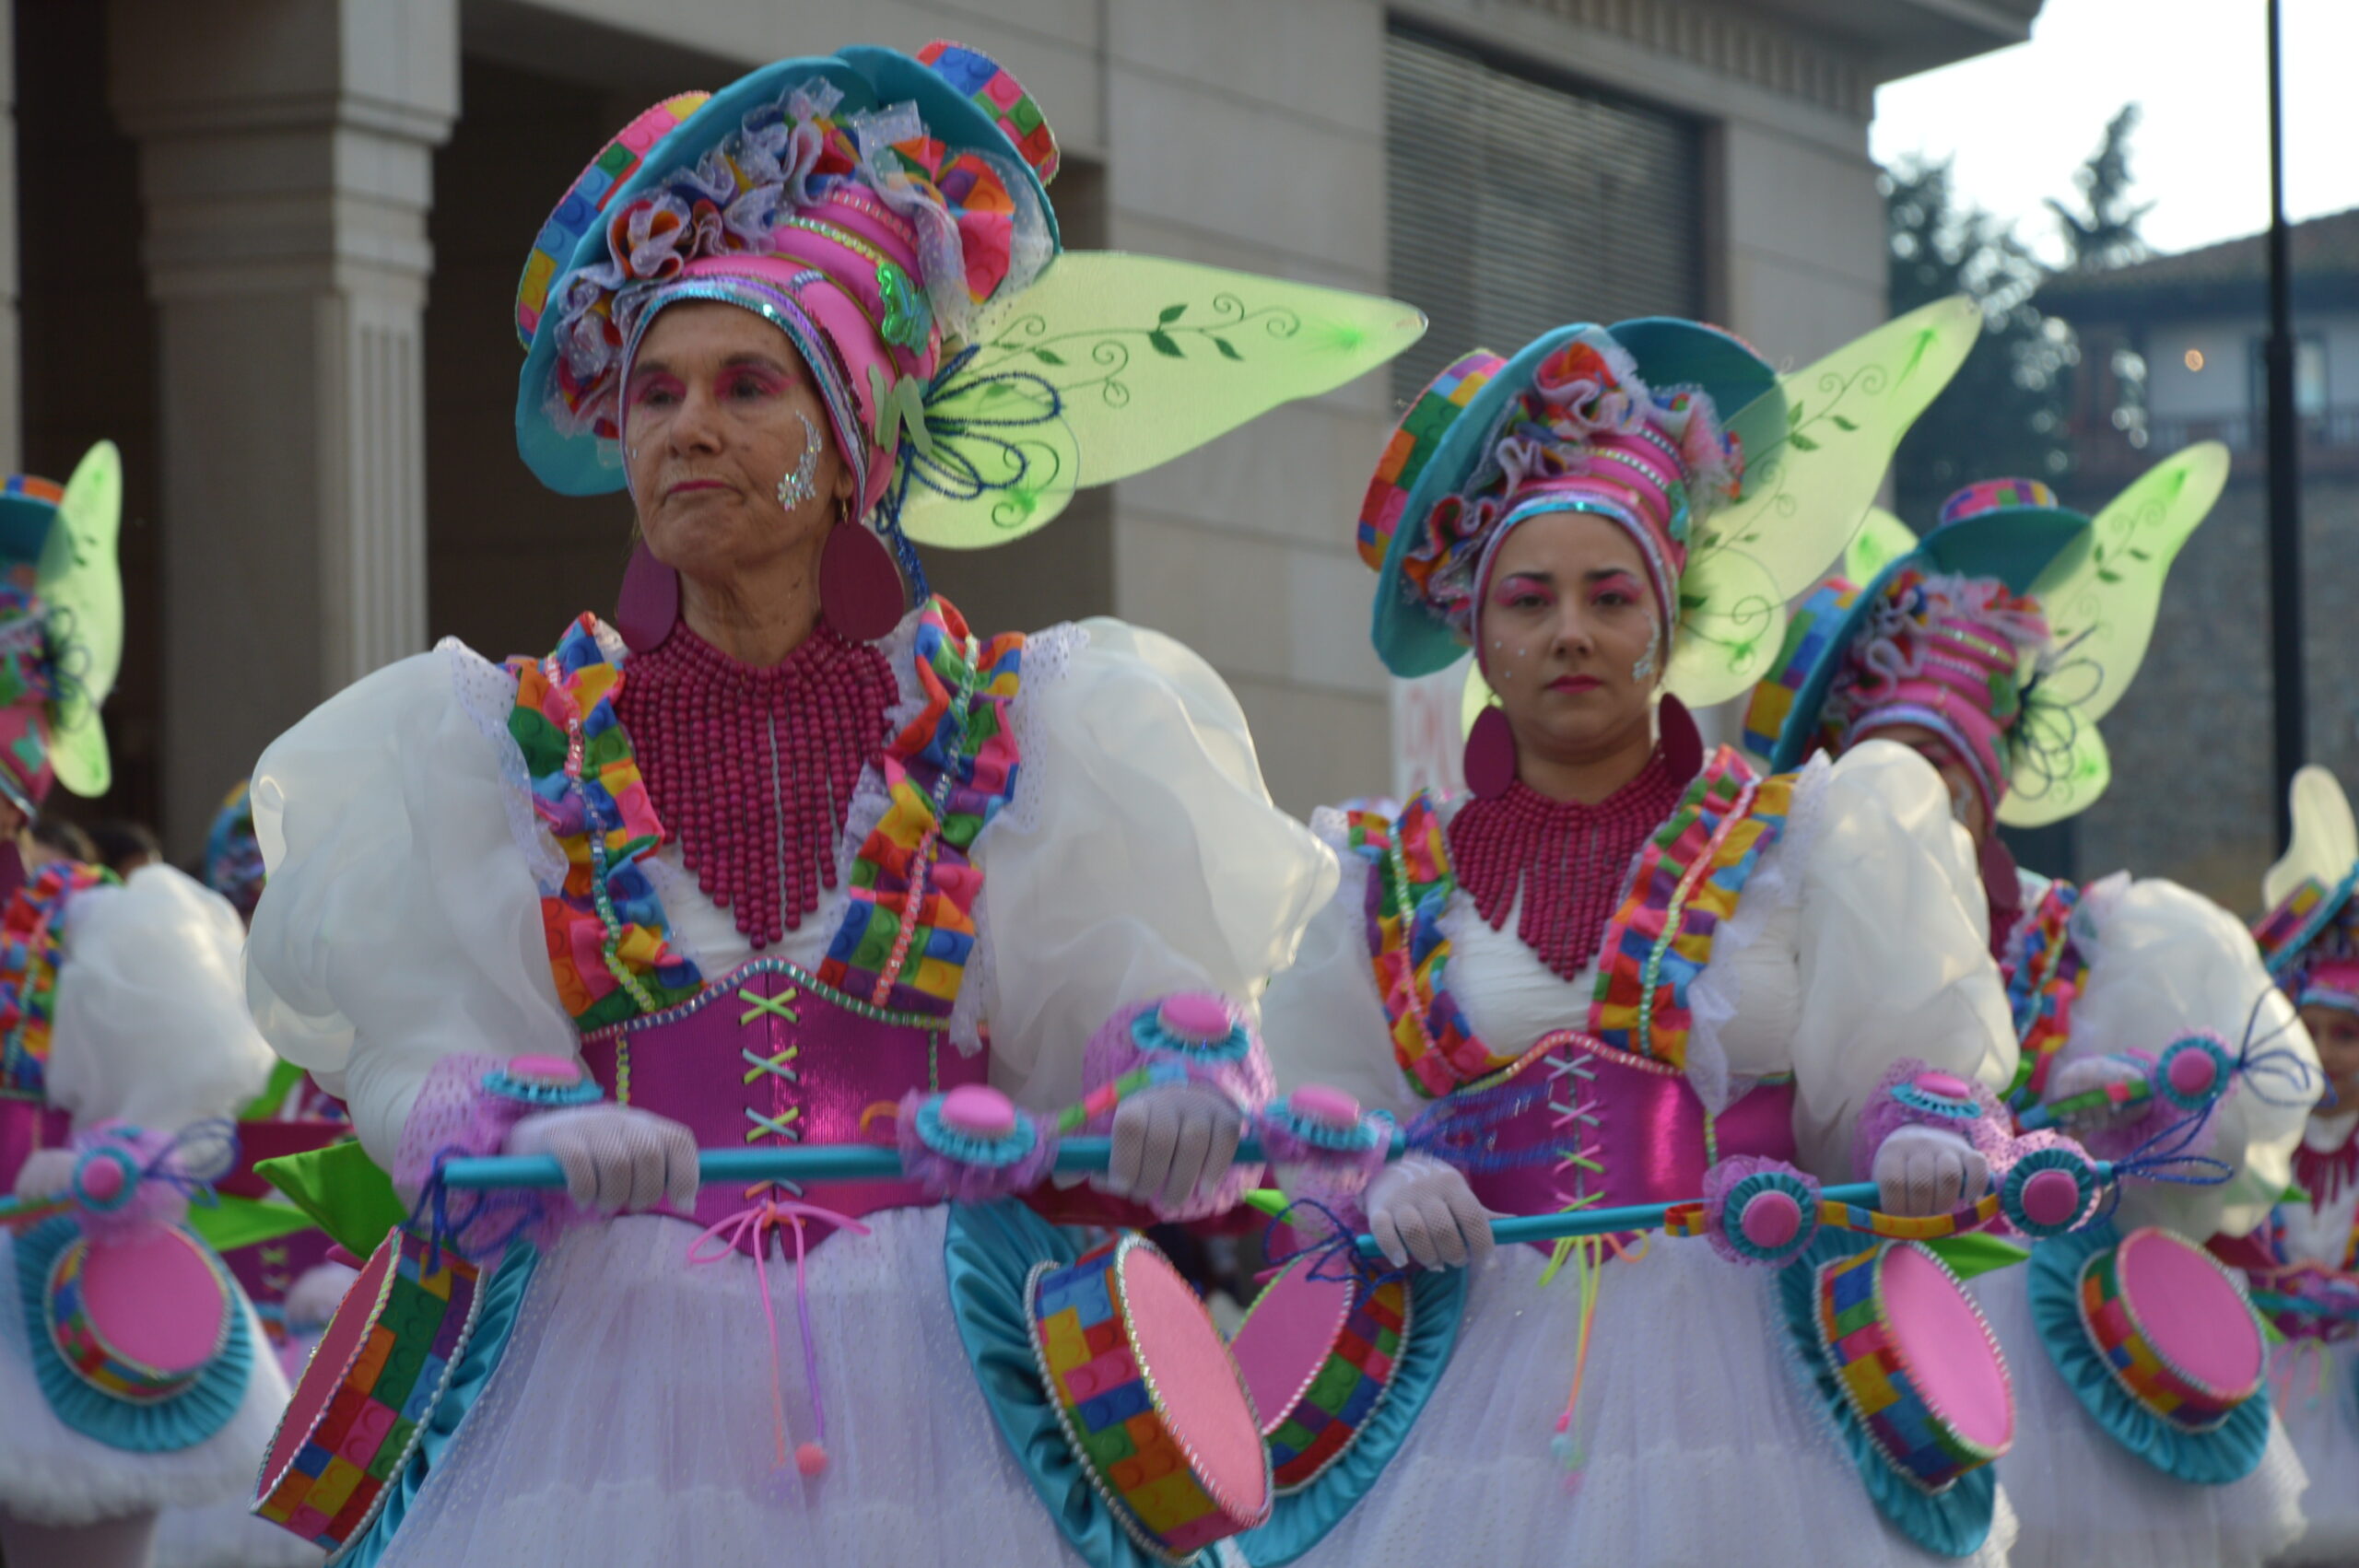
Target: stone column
{"x":286,"y":170}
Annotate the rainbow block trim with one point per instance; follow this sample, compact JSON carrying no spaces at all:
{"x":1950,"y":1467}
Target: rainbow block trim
{"x":86,"y":1352}
{"x":34,"y":489}
{"x":2164,"y":1389}
{"x":1412,"y":445}
{"x":1689,"y":879}
{"x":586,"y":200}
{"x":419,"y":1323}
{"x":1107,"y":1402}
{"x":1432,"y":1042}
{"x":908,"y":928}
{"x":2286,"y":933}
{"x":1000,"y":98}
{"x":1345,"y":1391}
{"x":609,"y":942}
{"x":1809,"y":637}
{"x":1871,"y":1369}
{"x":30,"y":930}
{"x":2043,"y":966}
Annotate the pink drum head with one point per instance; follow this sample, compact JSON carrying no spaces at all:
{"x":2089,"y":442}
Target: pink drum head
{"x":1203,"y":1403}
{"x":1950,"y":1356}
{"x":2190,"y":1311}
{"x":157,"y":1300}
{"x":323,"y":1376}
{"x":1287,"y":1338}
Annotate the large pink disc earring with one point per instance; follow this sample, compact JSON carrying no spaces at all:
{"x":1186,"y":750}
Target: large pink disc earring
{"x":860,"y":591}
{"x":1490,"y":753}
{"x":649,"y":604}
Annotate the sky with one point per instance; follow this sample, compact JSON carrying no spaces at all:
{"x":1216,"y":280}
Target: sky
{"x":2020,"y":120}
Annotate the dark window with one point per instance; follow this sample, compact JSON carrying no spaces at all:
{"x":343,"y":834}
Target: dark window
{"x":1521,"y":202}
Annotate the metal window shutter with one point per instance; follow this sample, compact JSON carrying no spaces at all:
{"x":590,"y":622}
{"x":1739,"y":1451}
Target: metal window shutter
{"x":1518,"y":205}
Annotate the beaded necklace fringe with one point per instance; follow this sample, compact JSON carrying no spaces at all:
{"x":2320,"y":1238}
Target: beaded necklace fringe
{"x":752,"y":770}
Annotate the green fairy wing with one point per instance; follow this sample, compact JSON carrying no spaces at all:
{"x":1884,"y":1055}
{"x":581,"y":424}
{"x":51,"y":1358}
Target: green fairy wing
{"x":1816,"y":451}
{"x":82,"y":585}
{"x":1881,"y":540}
{"x":2326,"y":840}
{"x":1112,"y":364}
{"x":2101,"y":605}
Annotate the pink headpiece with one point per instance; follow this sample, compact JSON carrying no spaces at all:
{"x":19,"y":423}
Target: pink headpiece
{"x":2331,"y":982}
{"x":1944,"y":652}
{"x":1586,"y":435}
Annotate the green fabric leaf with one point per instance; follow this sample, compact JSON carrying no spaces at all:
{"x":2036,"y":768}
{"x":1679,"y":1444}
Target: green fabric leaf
{"x":1974,"y":1254}
{"x":344,"y":1191}
{"x":244,"y":1221}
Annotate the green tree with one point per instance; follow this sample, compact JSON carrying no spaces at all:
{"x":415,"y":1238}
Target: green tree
{"x":2004,"y":413}
{"x":2104,"y":232}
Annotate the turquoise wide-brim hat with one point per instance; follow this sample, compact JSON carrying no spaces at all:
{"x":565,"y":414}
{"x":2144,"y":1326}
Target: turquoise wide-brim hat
{"x":1450,"y":427}
{"x":2009,"y":530}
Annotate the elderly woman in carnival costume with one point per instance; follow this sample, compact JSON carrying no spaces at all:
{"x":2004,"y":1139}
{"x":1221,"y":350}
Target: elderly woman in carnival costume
{"x":133,"y":1377}
{"x":772,"y":854}
{"x":2149,"y":1029}
{"x":1667,"y":975}
{"x":2303,"y":1264}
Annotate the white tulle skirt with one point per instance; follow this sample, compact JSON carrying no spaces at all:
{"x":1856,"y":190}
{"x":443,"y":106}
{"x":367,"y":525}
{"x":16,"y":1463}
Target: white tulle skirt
{"x":52,"y":1475}
{"x":1702,"y":1448}
{"x":227,"y":1534}
{"x":2317,"y":1391}
{"x":2084,"y":1501}
{"x":630,"y":1421}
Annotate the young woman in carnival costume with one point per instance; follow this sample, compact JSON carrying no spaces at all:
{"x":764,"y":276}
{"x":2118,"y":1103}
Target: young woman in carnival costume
{"x":773,"y":856}
{"x":2148,"y":1028}
{"x":134,"y":1375}
{"x":1669,"y":974}
{"x":2303,"y":1266}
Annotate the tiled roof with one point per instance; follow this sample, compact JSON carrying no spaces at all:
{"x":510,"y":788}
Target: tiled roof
{"x":2323,"y":248}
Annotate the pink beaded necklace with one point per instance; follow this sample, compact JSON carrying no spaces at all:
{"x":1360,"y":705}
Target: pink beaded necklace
{"x":752,"y":770}
{"x":1578,"y":856}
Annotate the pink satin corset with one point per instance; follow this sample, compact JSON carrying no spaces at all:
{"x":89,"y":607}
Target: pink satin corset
{"x":769,"y":1056}
{"x":1635,"y":1120}
{"x":28,"y":1125}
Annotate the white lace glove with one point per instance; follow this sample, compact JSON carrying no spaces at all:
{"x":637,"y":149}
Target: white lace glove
{"x":1171,"y":1143}
{"x":315,"y":1296}
{"x":48,"y":1174}
{"x":614,"y":1157}
{"x":1421,"y":1209}
{"x":2088,"y":1073}
{"x":1923,"y":1170}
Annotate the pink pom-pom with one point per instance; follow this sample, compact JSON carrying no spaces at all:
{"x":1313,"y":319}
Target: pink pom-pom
{"x":1771,"y":1219}
{"x":1949,"y":1086}
{"x":103,"y":1179}
{"x":979,"y":1111}
{"x":1323,"y":1106}
{"x":1196,"y":1017}
{"x":2050,"y":1198}
{"x":2193,"y":1074}
{"x":810,"y":1459}
{"x":554,"y":1070}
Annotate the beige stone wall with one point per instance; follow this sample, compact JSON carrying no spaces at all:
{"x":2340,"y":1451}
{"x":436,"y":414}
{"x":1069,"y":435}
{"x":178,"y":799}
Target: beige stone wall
{"x":345,"y":490}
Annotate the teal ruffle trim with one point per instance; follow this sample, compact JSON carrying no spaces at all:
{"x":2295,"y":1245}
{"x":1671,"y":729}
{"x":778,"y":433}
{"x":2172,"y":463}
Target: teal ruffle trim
{"x":2229,"y":1452}
{"x":503,"y":1302}
{"x":1303,"y":1518}
{"x":1949,"y":1523}
{"x":183,"y":1420}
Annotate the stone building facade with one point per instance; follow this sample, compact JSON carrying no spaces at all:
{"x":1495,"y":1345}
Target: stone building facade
{"x":270,"y":246}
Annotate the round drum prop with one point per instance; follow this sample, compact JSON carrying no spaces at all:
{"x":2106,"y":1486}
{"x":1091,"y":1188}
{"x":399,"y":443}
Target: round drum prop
{"x":1149,"y":1398}
{"x":373,"y":1378}
{"x":2173,"y":1328}
{"x":1318,"y":1355}
{"x":1915,"y":1362}
{"x":140,"y":1320}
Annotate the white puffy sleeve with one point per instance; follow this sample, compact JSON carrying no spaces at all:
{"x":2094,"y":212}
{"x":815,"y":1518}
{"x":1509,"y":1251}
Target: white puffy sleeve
{"x":1890,"y":945}
{"x":401,"y":922}
{"x":2163,"y":963}
{"x":150,"y":1024}
{"x":1140,"y":856}
{"x":1322,"y":1018}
